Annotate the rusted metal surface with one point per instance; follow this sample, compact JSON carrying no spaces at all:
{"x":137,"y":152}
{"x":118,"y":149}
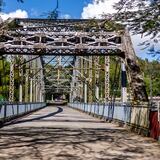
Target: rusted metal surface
{"x":135,"y":77}
{"x":154,"y":125}
{"x":58,"y":37}
{"x":73,"y":38}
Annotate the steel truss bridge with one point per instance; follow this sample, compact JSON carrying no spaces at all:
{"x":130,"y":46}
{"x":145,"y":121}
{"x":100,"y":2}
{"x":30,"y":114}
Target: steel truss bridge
{"x":74,"y":49}
{"x":91,"y":63}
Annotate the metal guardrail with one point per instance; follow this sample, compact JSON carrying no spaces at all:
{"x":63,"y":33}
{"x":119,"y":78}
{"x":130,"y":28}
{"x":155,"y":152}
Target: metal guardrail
{"x":11,"y":110}
{"x":120,"y":111}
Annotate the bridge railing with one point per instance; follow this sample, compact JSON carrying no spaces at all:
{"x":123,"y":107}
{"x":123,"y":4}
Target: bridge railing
{"x":10,"y":111}
{"x":136,"y":117}
{"x":120,"y":111}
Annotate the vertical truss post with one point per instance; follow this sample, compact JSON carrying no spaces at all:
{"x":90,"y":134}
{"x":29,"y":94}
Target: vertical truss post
{"x":37,"y":89}
{"x":86,"y":80}
{"x":107,"y":77}
{"x":71,"y":92}
{"x":31,"y":80}
{"x":97,"y":77}
{"x":21,"y":79}
{"x":11,"y":86}
{"x":34,"y":80}
{"x":123,"y":83}
{"x":85,"y":93}
{"x":59,"y":59}
{"x":31,"y":90}
{"x":37,"y":80}
{"x":74,"y":82}
{"x":42,"y":83}
{"x":90,"y":80}
{"x":83,"y":85}
{"x":79,"y":84}
{"x":27,"y":82}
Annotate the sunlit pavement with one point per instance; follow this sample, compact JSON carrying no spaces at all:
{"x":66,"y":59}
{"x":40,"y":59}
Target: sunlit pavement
{"x":61,"y":133}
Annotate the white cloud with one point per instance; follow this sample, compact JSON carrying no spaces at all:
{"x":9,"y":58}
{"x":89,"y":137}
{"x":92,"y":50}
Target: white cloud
{"x":66,"y":16}
{"x":96,"y":9}
{"x":17,"y":14}
{"x":99,"y":7}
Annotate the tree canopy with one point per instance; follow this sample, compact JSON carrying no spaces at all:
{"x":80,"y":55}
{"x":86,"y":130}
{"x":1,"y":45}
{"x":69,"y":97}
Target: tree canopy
{"x":141,"y":17}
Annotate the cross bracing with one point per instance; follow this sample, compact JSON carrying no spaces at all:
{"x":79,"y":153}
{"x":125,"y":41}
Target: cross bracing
{"x":59,"y":37}
{"x":82,"y":41}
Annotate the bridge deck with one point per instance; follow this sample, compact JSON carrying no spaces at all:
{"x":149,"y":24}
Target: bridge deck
{"x":61,"y":133}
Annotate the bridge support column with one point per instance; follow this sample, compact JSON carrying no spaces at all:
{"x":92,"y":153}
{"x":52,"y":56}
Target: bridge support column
{"x":34,"y":80}
{"x":90,"y":80}
{"x":97,"y":78}
{"x":107,"y":76}
{"x":31,"y":90}
{"x":85,"y":93}
{"x":135,"y":77}
{"x":123,"y":83}
{"x":11,"y":86}
{"x":20,"y":93}
{"x":26,"y":83}
{"x":21,"y":79}
{"x":82,"y":84}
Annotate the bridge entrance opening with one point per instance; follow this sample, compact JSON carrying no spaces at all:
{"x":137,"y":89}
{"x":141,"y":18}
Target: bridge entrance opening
{"x":66,"y":56}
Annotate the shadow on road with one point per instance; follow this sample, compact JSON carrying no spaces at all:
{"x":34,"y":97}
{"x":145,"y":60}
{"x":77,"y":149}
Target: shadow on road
{"x":37,"y":118}
{"x":74,"y":144}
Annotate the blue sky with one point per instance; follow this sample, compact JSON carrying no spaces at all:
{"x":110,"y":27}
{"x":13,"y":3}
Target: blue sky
{"x":36,"y":8}
{"x":67,"y":8}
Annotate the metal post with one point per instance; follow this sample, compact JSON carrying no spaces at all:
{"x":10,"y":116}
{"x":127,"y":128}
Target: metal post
{"x":97,"y":77}
{"x":26,"y":83}
{"x":81,"y":65}
{"x":90,"y":80}
{"x":31,"y":90}
{"x":124,"y":83}
{"x":86,"y":86}
{"x":5,"y":111}
{"x":21,"y":79}
{"x":11,"y":86}
{"x":107,"y":76}
{"x":34,"y":81}
{"x":85,"y":93}
{"x":97,"y":92}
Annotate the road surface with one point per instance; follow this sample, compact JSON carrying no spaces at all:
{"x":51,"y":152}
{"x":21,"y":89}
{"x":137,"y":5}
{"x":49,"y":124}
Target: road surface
{"x":61,"y":133}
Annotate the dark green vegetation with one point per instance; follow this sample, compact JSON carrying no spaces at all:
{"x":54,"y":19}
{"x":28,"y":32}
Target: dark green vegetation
{"x":150,"y":70}
{"x":5,"y":79}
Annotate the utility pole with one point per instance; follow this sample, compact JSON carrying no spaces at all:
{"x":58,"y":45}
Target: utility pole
{"x":54,"y":14}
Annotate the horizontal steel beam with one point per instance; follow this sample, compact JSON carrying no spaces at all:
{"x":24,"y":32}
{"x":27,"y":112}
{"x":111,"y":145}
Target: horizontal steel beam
{"x":60,"y":38}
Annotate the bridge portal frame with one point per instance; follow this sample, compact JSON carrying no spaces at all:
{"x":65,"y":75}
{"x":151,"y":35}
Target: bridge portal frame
{"x":73,"y":38}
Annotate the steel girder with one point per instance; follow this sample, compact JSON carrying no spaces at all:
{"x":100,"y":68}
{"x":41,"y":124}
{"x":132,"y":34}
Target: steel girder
{"x":72,"y":38}
{"x":59,"y":37}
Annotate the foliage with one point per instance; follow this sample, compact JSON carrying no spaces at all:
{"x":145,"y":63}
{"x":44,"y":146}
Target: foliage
{"x":4,"y":79}
{"x":142,"y":17}
{"x":151,"y":74}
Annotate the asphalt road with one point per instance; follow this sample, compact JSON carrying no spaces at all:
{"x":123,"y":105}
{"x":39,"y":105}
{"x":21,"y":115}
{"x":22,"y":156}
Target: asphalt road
{"x":61,"y":133}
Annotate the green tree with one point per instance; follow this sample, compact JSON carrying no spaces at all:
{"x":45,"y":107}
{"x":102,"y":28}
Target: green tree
{"x":142,"y":17}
